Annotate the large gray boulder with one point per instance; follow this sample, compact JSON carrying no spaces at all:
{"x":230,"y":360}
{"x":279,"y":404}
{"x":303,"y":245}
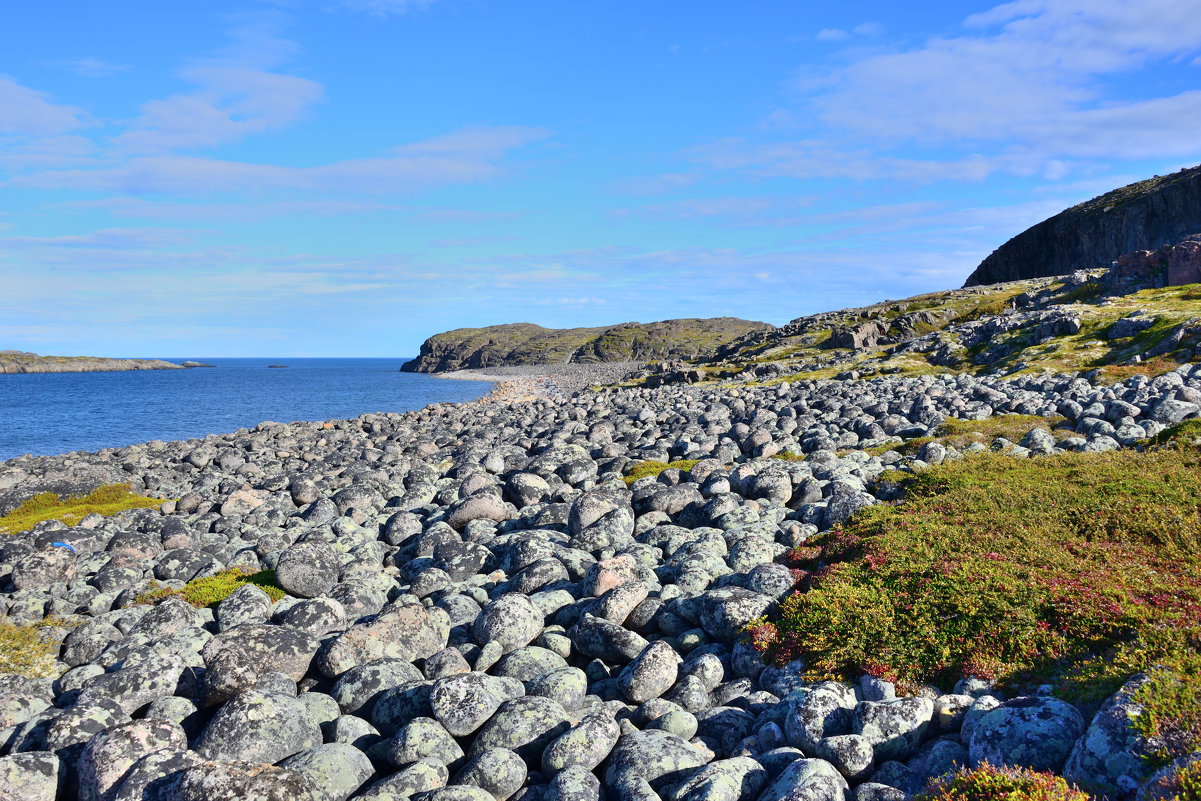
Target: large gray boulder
{"x":1030,"y":732}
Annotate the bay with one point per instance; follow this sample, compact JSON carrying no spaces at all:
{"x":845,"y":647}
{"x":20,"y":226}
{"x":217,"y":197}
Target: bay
{"x":45,"y":413}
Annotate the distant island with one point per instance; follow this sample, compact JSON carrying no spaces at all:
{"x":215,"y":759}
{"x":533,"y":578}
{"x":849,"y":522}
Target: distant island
{"x":19,"y":361}
{"x":526,"y":343}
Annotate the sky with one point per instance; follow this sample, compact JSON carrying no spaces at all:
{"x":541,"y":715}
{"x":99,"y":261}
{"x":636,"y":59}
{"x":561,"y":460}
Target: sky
{"x":349,"y":177}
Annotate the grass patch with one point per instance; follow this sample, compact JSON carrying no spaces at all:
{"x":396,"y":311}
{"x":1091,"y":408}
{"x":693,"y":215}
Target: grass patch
{"x":106,"y":500}
{"x":789,"y":456}
{"x":961,"y":433}
{"x":1077,"y":570}
{"x":25,"y":652}
{"x":212,"y":590}
{"x":654,"y":468}
{"x":987,"y":783}
{"x":1171,"y":715}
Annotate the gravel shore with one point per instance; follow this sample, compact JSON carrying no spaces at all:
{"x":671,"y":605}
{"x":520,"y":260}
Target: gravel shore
{"x":529,"y":381}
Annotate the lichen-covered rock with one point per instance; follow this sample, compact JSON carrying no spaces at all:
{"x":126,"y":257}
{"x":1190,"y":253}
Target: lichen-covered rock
{"x":246,"y":604}
{"x":34,"y":776}
{"x":1109,"y":758}
{"x":725,"y":612}
{"x":398,"y":706}
{"x":421,"y":776}
{"x":241,"y":781}
{"x":812,"y":715}
{"x":851,"y":754}
{"x":807,"y":780}
{"x":235,"y":660}
{"x":600,"y":639}
{"x":499,"y":771}
{"x":526,"y":725}
{"x":652,"y":673}
{"x":567,"y":685}
{"x":894,"y":728}
{"x":407,"y":632}
{"x":111,"y":753}
{"x":424,"y":739}
{"x":307,"y":569}
{"x":586,"y":744}
{"x":737,"y":779}
{"x":264,"y":727}
{"x":1030,"y":732}
{"x":152,"y":776}
{"x":648,"y":756}
{"x":336,"y":769}
{"x":511,"y":620}
{"x":573,"y":784}
{"x":464,"y":702}
{"x":156,"y":676}
{"x":357,"y":690}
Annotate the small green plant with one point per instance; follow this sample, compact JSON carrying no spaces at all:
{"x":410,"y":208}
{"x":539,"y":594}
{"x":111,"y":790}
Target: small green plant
{"x":1182,"y":783}
{"x":789,"y":456}
{"x":212,"y":590}
{"x":654,"y":468}
{"x":106,"y":500}
{"x":987,"y":783}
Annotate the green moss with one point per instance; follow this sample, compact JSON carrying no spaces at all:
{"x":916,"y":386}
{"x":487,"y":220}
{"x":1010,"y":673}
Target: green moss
{"x":106,"y":500}
{"x":26,"y":651}
{"x":1077,"y":569}
{"x":987,"y":783}
{"x":212,"y":590}
{"x":789,"y":456}
{"x":654,"y":468}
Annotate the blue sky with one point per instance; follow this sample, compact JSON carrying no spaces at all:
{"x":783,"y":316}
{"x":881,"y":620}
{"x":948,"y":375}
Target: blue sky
{"x":348,"y":177}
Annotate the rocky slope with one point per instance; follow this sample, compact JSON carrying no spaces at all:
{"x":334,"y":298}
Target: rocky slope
{"x":1144,"y":215}
{"x":16,"y":361}
{"x":1112,"y":321}
{"x":525,"y":343}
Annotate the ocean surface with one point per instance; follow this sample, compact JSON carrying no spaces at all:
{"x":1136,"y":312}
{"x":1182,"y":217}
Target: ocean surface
{"x":44,"y":413}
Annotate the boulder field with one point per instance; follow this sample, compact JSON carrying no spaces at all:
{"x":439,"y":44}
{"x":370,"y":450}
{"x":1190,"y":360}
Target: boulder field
{"x":478,"y":608}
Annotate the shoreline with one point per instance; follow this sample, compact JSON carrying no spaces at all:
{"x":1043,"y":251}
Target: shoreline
{"x":522,"y":382}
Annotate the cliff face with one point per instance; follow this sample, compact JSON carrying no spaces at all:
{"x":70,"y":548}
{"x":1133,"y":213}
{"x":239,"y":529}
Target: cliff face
{"x":525,"y":343}
{"x":16,"y":361}
{"x":1142,"y":216}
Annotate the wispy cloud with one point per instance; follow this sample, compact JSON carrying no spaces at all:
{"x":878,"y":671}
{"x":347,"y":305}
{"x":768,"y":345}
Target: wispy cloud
{"x":27,"y":112}
{"x":1021,"y":91}
{"x":457,"y":158}
{"x":88,"y":67}
{"x":384,"y":8}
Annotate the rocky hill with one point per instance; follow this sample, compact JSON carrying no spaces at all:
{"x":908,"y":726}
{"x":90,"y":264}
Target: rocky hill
{"x":17,"y":361}
{"x":1144,"y":215}
{"x":525,"y":343}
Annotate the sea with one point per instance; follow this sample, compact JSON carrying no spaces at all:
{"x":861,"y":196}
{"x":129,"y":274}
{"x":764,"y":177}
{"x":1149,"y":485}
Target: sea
{"x":48,"y":413}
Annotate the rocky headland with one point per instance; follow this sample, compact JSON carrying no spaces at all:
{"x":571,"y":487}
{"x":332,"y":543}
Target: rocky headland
{"x":1148,"y":214}
{"x":17,"y":361}
{"x":526,"y":344}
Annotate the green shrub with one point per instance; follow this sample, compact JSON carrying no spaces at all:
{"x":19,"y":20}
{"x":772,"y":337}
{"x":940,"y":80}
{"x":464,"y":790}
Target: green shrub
{"x":654,"y":468}
{"x":1171,"y":716}
{"x":987,"y":783}
{"x":1078,"y":569}
{"x":212,"y":590}
{"x":106,"y":500}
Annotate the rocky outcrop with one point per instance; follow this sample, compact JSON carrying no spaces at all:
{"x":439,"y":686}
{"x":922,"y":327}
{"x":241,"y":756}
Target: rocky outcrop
{"x":525,"y":343}
{"x":1142,"y":216}
{"x":18,"y":361}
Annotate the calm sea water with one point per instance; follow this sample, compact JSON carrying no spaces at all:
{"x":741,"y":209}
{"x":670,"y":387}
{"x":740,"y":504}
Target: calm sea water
{"x":59,"y":412}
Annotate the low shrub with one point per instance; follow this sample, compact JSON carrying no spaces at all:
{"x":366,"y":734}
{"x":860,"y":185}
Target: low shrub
{"x":212,"y":590}
{"x":1078,"y":569}
{"x":106,"y":500}
{"x":987,"y":783}
{"x":1182,"y":783}
{"x":654,"y":468}
{"x":1171,"y":709}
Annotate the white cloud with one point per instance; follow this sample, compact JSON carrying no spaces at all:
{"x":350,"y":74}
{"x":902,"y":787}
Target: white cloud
{"x":385,"y":8}
{"x":28,"y":112}
{"x":832,"y":35}
{"x":238,"y":93}
{"x":89,"y":67}
{"x":1022,"y":91}
{"x":460,"y":157}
